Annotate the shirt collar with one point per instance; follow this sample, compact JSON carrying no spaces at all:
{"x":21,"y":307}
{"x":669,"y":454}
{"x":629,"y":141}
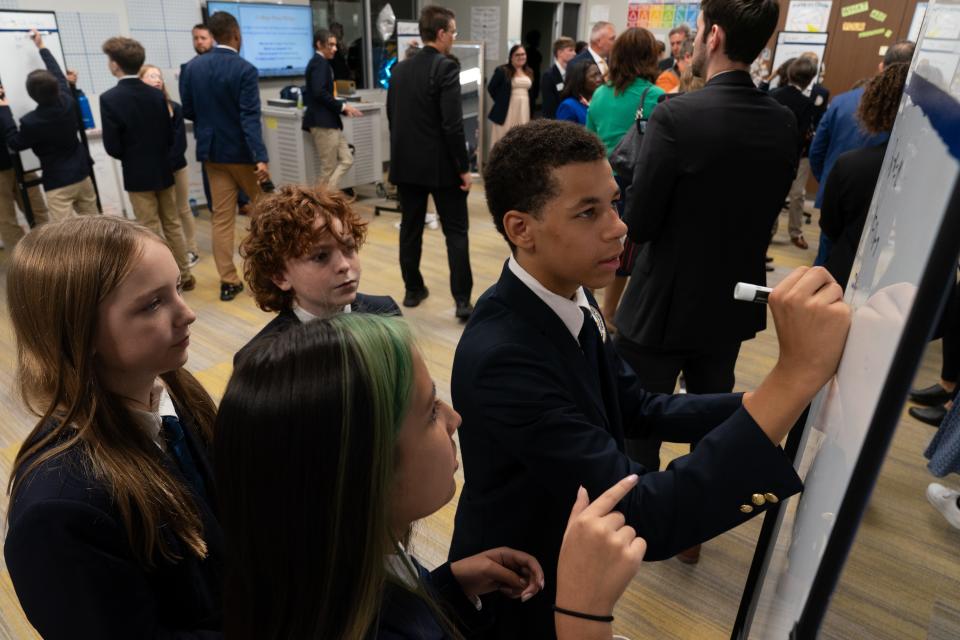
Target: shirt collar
{"x":223,"y":46}
{"x":305,"y":316}
{"x":128,"y":77}
{"x":567,"y":310}
{"x":161,"y":405}
{"x":596,"y":56}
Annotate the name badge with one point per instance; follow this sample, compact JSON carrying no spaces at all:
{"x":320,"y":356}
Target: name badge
{"x":559,"y":86}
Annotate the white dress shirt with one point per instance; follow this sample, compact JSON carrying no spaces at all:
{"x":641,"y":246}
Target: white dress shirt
{"x":305,"y":316}
{"x":599,"y":60}
{"x":567,"y":309}
{"x":151,"y":421}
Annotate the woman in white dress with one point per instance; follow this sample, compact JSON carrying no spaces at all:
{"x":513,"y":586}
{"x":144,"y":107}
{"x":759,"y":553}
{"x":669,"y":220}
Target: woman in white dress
{"x":510,"y":89}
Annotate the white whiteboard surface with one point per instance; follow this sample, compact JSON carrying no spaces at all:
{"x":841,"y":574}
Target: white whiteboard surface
{"x":808,"y":15}
{"x":19,"y":56}
{"x":793,"y":44}
{"x":918,"y":177}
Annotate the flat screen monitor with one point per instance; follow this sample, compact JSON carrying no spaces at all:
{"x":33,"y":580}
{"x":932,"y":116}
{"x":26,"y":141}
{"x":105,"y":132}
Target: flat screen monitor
{"x":277,"y":38}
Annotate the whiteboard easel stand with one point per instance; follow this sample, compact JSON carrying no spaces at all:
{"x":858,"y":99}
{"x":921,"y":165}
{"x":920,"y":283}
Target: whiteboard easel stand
{"x":931,"y":297}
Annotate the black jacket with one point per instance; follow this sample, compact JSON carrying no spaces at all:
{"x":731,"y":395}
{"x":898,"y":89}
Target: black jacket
{"x":539,"y":421}
{"x":713,"y":172}
{"x":804,"y":111}
{"x":551,"y":84}
{"x":52,"y":132}
{"x":379,"y":305}
{"x":75,"y":573}
{"x":323,"y":110}
{"x":846,"y":203}
{"x":500,"y":89}
{"x":138,"y":131}
{"x":178,"y":152}
{"x":425,"y":110}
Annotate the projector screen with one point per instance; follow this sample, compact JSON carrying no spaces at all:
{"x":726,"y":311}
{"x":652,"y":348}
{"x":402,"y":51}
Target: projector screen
{"x":277,"y":38}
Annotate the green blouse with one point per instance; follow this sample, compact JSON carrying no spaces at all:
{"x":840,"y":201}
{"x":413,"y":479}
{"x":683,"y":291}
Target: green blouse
{"x":610,"y":116}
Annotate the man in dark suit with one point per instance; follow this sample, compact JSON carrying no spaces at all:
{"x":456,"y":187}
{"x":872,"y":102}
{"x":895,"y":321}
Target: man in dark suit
{"x":322,"y":117}
{"x":221,"y":94}
{"x":552,"y":81}
{"x":546,"y":400}
{"x":52,"y":132}
{"x":138,"y":131}
{"x":428,"y":156}
{"x":701,"y":228}
{"x":602,"y":37}
{"x":677,"y":36}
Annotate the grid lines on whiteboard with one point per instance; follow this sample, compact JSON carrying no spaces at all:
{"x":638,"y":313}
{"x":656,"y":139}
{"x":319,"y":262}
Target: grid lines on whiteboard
{"x":163,"y":28}
{"x":82,"y":35}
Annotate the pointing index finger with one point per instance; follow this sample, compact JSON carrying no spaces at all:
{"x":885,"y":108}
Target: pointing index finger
{"x":611,"y":497}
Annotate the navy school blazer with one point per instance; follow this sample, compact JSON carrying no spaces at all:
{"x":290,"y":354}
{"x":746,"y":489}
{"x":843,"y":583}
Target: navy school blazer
{"x":323,"y":109}
{"x":138,"y":131}
{"x":75,"y":573}
{"x":221,"y":95}
{"x":538,"y":422}
{"x":379,"y":305}
{"x":52,"y":132}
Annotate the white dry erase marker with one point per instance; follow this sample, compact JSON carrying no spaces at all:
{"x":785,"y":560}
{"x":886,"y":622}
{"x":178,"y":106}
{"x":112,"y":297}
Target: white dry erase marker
{"x":751,"y":293}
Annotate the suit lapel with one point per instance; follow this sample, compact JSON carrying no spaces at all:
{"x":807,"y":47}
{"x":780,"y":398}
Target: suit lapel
{"x":526,"y":304}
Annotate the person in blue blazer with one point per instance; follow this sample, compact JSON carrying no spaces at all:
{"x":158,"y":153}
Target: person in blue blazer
{"x":52,"y":132}
{"x":583,"y":78}
{"x":323,"y":111}
{"x":301,"y":259}
{"x":547,"y":401}
{"x":138,"y":131}
{"x":221,"y":94}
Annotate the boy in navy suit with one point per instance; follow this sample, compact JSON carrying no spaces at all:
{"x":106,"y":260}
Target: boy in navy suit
{"x":301,"y":259}
{"x":546,"y":401}
{"x":221,"y":94}
{"x":138,"y":131}
{"x":322,"y":117}
{"x":51,"y":131}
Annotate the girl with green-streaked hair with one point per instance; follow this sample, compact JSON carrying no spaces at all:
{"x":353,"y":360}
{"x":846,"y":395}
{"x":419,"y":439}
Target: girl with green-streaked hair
{"x":330,"y":443}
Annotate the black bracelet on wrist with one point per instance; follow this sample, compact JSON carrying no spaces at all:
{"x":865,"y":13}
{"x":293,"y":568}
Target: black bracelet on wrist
{"x":583,"y":616}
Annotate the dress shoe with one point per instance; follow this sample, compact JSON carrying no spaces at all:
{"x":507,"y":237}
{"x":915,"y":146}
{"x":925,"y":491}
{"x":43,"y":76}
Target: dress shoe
{"x":768,"y":259}
{"x":464,"y":309}
{"x":229,"y":291}
{"x":945,"y":501}
{"x":690,"y":556}
{"x":192,"y":259}
{"x":769,"y":268}
{"x":807,"y":218}
{"x":413,"y":298}
{"x":800,"y":242}
{"x":188,"y":284}
{"x":931,"y":415}
{"x":931,"y":396}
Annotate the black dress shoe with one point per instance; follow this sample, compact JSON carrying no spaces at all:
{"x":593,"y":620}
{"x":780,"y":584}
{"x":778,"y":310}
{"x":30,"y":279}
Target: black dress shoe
{"x":229,"y":291}
{"x":931,"y":396}
{"x":464,"y":309}
{"x":931,"y":415}
{"x":413,"y":298}
{"x":768,"y":259}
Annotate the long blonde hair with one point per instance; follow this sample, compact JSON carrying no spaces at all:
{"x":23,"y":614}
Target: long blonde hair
{"x":166,"y":96}
{"x":58,"y":277}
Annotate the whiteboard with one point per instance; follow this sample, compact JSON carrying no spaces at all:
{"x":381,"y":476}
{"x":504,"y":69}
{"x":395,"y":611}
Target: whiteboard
{"x":19,"y":56}
{"x":901,"y":238}
{"x":793,"y":44}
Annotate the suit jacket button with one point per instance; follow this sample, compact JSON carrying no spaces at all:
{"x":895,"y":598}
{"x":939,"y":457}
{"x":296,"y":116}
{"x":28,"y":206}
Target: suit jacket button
{"x":745,"y":508}
{"x":758,"y":499}
{"x":771,"y":498}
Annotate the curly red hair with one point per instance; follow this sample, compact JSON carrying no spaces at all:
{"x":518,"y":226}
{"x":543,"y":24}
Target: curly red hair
{"x":282,"y":228}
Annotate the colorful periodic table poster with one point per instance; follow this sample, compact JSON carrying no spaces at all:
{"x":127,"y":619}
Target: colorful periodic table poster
{"x":662,"y":15}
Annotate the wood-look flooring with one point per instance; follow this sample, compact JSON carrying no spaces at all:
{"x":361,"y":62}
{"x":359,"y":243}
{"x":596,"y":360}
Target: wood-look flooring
{"x":902,"y":578}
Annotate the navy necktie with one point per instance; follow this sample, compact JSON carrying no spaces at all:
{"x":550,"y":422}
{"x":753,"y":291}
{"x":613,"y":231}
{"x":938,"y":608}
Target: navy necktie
{"x":178,"y":447}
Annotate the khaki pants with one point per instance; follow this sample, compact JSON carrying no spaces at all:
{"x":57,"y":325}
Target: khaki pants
{"x":797,"y":195}
{"x":10,"y":230}
{"x":157,"y":210}
{"x":226,"y":179}
{"x":334,"y":154}
{"x":182,"y":185}
{"x":78,"y":197}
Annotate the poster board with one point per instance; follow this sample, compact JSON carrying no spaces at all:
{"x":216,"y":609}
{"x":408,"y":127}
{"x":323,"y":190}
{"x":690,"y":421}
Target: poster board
{"x":792,"y":44}
{"x":808,"y":15}
{"x":905,"y":262}
{"x":19,"y":56}
{"x":408,"y":34}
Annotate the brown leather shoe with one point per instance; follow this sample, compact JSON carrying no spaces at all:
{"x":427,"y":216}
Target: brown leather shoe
{"x":800,"y":242}
{"x":690,"y":556}
{"x":188,"y":284}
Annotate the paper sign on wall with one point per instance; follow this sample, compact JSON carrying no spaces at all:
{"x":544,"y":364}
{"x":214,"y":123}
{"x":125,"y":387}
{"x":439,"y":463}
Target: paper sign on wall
{"x":854,"y":26}
{"x":871,"y":33}
{"x":878,"y":15}
{"x":808,"y":15}
{"x":854,"y":9}
{"x":599,"y":13}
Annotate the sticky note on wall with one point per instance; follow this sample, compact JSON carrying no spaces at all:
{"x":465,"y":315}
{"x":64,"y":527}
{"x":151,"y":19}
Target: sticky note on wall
{"x":854,"y":9}
{"x":878,"y":15}
{"x":871,"y":33}
{"x":854,"y":26}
